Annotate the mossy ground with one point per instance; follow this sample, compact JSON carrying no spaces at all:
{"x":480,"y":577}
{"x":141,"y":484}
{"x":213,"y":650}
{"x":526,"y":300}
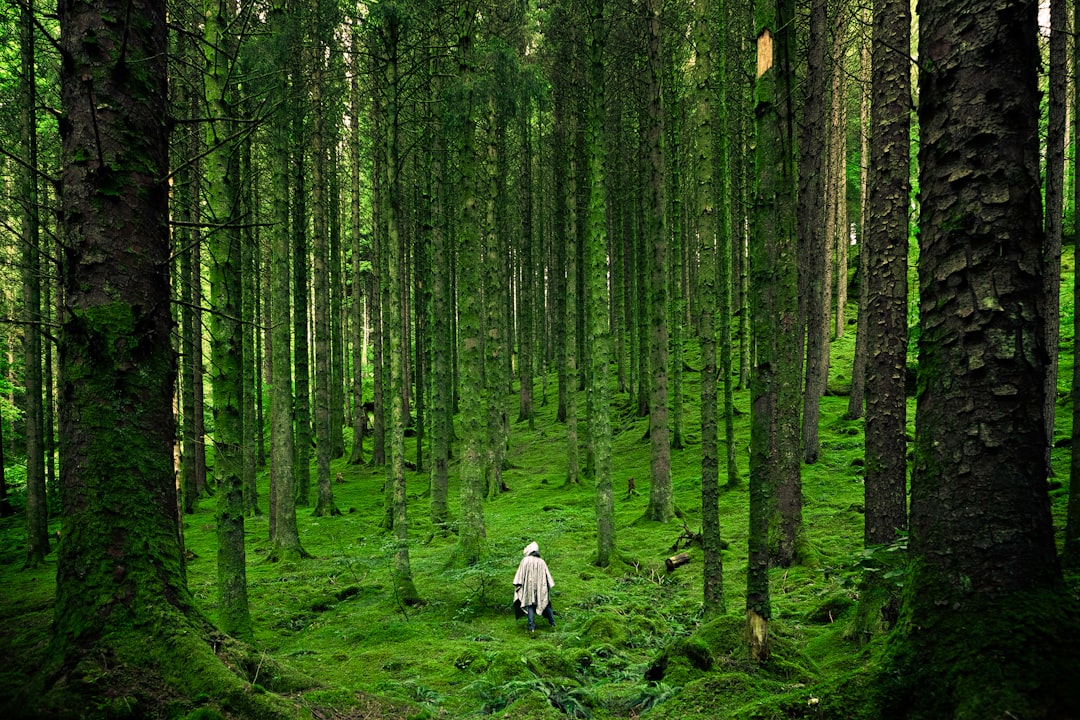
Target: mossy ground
{"x":632,"y":639}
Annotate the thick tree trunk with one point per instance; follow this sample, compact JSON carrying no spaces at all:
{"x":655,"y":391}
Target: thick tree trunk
{"x":982,"y":541}
{"x":121,"y":596}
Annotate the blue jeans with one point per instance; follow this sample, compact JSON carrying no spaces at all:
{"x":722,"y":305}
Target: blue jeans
{"x":530,"y":610}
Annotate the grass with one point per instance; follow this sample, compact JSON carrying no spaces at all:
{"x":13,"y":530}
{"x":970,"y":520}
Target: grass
{"x":632,"y":639}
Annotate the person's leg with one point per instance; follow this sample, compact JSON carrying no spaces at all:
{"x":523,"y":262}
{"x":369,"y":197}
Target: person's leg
{"x":530,"y":610}
{"x":550,"y":615}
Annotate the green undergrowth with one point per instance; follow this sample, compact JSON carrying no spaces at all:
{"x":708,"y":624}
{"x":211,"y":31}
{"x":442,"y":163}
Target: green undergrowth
{"x":632,"y":639}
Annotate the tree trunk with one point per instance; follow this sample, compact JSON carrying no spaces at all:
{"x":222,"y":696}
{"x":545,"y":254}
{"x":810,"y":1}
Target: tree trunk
{"x":1070,"y":558}
{"x":857,"y":394}
{"x":704,"y":139}
{"x":811,"y":230}
{"x":321,"y":262}
{"x":284,"y":532}
{"x":661,"y":506}
{"x":121,"y":595}
{"x":886,"y":249}
{"x":981,"y":540}
{"x":299,"y":61}
{"x":359,"y":415}
{"x":1055,"y":210}
{"x":471,"y":532}
{"x":599,"y":327}
{"x":37,"y":506}
{"x":774,"y":307}
{"x":226,"y":332}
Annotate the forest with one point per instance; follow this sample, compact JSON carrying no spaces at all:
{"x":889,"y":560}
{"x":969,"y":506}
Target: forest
{"x":758,"y":317}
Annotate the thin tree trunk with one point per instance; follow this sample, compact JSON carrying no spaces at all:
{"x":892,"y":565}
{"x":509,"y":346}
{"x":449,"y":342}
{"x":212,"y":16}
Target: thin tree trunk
{"x":1055,"y":210}
{"x":226,"y":333}
{"x":661,"y":506}
{"x":599,"y":327}
{"x":811,"y":230}
{"x":704,"y":141}
{"x":284,"y":532}
{"x":37,"y":506}
{"x":471,"y":532}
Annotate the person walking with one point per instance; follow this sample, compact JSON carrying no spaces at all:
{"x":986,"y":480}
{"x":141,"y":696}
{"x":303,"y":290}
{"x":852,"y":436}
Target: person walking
{"x":532,"y":586}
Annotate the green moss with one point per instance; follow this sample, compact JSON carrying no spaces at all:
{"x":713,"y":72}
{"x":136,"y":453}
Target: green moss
{"x":1006,"y":657}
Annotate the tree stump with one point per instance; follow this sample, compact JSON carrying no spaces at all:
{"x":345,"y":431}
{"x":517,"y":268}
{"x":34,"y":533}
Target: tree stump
{"x":676,"y":561}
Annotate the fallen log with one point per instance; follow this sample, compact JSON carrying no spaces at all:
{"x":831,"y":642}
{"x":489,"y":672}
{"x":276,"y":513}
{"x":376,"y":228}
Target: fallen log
{"x":676,"y":561}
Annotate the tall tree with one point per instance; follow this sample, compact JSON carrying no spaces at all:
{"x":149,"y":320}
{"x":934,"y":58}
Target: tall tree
{"x":813,"y":257}
{"x":774,"y":382}
{"x":885,"y":247}
{"x":472,"y":532}
{"x":1070,"y":558}
{"x":37,"y":508}
{"x":226,"y":333}
{"x":704,"y":140}
{"x":597,"y":297}
{"x":391,"y":24}
{"x":981,"y":541}
{"x":1055,"y":206}
{"x":661,"y":504}
{"x":284,"y":532}
{"x":121,"y":596}
{"x":321,"y":263}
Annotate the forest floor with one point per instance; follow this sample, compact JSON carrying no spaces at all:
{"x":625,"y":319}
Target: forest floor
{"x":632,"y":640}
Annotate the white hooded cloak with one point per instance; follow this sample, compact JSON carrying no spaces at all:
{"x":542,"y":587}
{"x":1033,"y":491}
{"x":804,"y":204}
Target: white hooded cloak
{"x":532,"y":580}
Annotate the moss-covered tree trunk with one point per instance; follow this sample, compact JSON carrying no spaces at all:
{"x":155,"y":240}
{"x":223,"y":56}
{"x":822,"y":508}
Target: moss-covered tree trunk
{"x":356,"y":272}
{"x":704,"y":142}
{"x":471,"y":531}
{"x":728,"y":202}
{"x":494,"y":302}
{"x":987,"y":629}
{"x":597,"y":273}
{"x":528,"y":273}
{"x":226,"y":334}
{"x":121,"y":594}
{"x":661,"y":507}
{"x":299,"y":62}
{"x":442,"y":392}
{"x":774,"y":383}
{"x":249,"y":276}
{"x":571,"y":371}
{"x":284,"y":532}
{"x":321,"y":264}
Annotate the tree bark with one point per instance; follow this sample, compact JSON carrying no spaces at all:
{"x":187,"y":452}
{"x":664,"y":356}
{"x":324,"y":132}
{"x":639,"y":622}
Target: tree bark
{"x":121,"y":595}
{"x":981,"y":541}
{"x":37,"y":506}
{"x":704,"y":140}
{"x":226,"y":333}
{"x":596,"y":254}
{"x":661,"y":506}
